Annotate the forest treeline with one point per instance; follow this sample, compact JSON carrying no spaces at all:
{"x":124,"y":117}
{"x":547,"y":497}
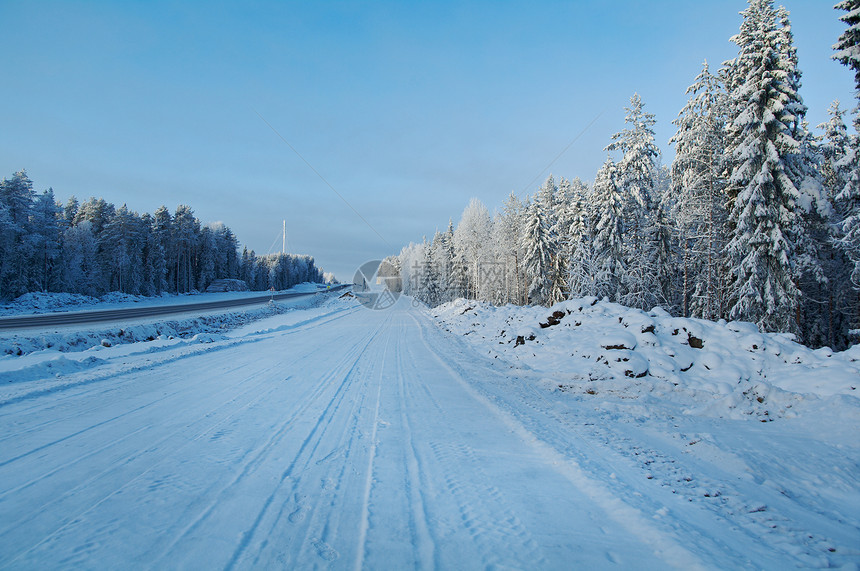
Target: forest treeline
{"x":756,"y":219}
{"x":94,"y":247}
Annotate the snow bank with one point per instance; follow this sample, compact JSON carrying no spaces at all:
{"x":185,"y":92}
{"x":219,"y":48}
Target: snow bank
{"x":41,"y":302}
{"x":714,"y":369}
{"x":204,"y":328}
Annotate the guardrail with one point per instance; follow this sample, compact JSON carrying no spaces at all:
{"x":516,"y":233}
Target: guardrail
{"x":100,"y":315}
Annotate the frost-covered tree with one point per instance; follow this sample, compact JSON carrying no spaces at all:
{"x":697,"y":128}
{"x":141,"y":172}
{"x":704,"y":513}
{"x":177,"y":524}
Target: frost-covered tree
{"x":471,"y":241}
{"x":848,"y":46}
{"x":550,"y":201}
{"x":847,"y":223}
{"x":186,"y":230}
{"x":698,"y":186}
{"x":70,"y":210}
{"x":607,"y":211}
{"x":458,"y":272}
{"x":97,"y":211}
{"x":537,"y":244}
{"x":16,"y":201}
{"x":82,"y":272}
{"x":763,"y":198}
{"x":507,"y":231}
{"x":637,"y":176}
{"x":45,"y":243}
{"x":121,"y":244}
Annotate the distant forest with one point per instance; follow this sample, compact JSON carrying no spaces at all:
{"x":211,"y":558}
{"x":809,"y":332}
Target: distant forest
{"x":94,"y":248}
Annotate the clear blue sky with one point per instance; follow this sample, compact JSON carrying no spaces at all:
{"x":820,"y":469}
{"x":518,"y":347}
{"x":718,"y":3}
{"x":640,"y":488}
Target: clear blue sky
{"x":407,"y":108}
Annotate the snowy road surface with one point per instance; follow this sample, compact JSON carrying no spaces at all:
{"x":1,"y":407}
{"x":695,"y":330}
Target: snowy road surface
{"x":352,"y":439}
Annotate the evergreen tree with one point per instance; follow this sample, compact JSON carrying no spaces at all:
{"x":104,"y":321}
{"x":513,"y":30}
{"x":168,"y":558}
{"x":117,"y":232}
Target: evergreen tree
{"x":45,"y":243}
{"x":186,"y":230}
{"x":70,"y":211}
{"x":698,"y":187}
{"x":509,"y":229}
{"x":97,"y":211}
{"x":457,"y":273}
{"x":577,"y":244}
{"x":551,"y":200}
{"x":607,"y":208}
{"x":164,"y":251}
{"x":82,"y":272}
{"x":847,"y":223}
{"x":762,"y":195}
{"x":637,"y":175}
{"x":537,"y":244}
{"x":848,"y":46}
{"x":121,"y":246}
{"x":16,"y":202}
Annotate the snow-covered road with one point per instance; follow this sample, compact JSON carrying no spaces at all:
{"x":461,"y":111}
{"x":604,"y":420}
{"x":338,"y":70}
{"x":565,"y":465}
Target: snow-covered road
{"x":343,"y":438}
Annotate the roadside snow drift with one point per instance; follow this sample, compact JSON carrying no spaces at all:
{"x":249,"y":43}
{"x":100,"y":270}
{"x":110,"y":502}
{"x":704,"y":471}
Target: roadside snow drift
{"x":719,"y":369}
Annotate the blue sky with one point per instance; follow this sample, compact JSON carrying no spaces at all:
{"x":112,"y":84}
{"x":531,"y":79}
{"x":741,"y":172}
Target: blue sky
{"x":408,"y":109}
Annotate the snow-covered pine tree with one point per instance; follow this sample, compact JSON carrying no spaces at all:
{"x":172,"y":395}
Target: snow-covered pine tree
{"x":763,"y":198}
{"x":162,"y":228}
{"x":186,"y":231}
{"x":637,"y":174}
{"x":581,"y":261}
{"x":698,"y":185}
{"x":607,"y":212}
{"x":848,"y":222}
{"x":97,"y":211}
{"x":427,"y":281}
{"x":848,"y":46}
{"x":508,"y":228}
{"x":812,"y":242}
{"x":152,"y":271}
{"x":16,"y":202}
{"x":45,"y":243}
{"x":665,"y":268}
{"x":208,"y":258}
{"x":120,"y":245}
{"x":537,"y":243}
{"x":551,"y":202}
{"x":834,"y":144}
{"x":455,"y":286}
{"x":440,"y":257}
{"x":848,"y":200}
{"x":82,"y":272}
{"x":70,"y":210}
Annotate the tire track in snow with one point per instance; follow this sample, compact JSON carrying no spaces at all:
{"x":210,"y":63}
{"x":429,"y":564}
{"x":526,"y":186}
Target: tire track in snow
{"x":665,"y":546}
{"x":129,"y":482}
{"x":120,"y":384}
{"x":364,"y":519}
{"x":120,"y":462}
{"x":173,"y":355}
{"x":417,"y":487}
{"x":317,"y":523}
{"x":495,"y":529}
{"x":344,"y":365}
{"x":115,"y":466}
{"x":76,"y":412}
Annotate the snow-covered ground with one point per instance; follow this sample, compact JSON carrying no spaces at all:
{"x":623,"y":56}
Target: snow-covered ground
{"x":338,"y":437}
